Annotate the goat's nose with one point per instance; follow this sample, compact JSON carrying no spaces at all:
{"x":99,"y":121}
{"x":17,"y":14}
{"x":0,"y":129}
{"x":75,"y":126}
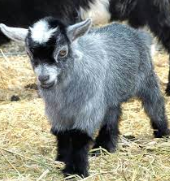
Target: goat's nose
{"x":43,"y":78}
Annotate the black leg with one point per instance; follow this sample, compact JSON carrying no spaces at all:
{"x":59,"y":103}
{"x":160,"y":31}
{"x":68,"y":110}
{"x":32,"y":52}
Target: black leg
{"x":63,"y":145}
{"x":108,"y":135}
{"x":78,"y":160}
{"x":168,"y":85}
{"x":154,"y":106}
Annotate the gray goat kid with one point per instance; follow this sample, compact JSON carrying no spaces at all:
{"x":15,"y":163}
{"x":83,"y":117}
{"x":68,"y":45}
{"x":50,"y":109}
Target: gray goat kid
{"x":84,"y":76}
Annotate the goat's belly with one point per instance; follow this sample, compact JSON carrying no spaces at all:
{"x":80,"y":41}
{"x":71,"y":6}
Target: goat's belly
{"x":59,"y":120}
{"x":98,"y":12}
{"x":88,"y":119}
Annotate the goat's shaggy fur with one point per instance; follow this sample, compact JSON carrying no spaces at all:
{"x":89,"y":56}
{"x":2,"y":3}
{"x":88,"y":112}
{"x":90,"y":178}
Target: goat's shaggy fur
{"x":85,"y":77}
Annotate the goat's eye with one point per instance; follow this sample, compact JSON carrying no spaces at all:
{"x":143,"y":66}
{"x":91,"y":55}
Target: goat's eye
{"x":63,"y":53}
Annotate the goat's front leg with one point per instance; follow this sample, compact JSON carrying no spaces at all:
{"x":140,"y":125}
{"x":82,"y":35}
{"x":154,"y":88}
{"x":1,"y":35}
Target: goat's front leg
{"x":63,"y":145}
{"x":78,"y":160}
{"x":108,"y":134}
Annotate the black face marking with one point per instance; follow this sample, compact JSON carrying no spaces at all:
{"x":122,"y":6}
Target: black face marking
{"x":44,"y":52}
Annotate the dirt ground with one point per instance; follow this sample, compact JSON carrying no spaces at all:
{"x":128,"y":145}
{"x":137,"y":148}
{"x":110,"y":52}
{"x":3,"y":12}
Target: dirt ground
{"x":27,"y":148}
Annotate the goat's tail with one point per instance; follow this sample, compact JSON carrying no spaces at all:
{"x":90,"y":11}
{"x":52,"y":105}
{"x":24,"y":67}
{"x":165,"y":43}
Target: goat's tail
{"x":148,"y":40}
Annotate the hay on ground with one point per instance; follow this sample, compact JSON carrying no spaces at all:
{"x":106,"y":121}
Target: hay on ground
{"x":27,"y":149}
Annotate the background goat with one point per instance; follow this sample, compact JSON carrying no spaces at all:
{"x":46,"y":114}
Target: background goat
{"x":152,"y":13}
{"x":85,"y":77}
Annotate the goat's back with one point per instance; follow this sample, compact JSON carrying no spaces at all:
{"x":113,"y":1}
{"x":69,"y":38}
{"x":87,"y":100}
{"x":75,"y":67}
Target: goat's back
{"x":121,"y":55}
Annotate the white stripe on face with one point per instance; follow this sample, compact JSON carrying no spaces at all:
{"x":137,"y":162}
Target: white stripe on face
{"x":41,"y":33}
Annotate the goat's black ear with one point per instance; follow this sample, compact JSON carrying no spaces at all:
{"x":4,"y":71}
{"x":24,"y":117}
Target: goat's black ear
{"x":78,"y":29}
{"x":16,"y":34}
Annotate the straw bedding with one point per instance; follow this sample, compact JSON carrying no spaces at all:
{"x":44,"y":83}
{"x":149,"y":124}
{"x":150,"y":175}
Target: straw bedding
{"x":27,"y":149}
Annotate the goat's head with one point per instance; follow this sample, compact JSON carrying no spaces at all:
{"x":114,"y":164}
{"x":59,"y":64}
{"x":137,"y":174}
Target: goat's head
{"x":48,"y":44}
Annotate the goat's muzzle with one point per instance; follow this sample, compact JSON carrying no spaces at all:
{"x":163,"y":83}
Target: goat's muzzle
{"x":47,"y":85}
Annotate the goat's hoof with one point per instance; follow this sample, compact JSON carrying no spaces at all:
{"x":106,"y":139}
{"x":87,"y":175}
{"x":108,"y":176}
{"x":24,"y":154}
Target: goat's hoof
{"x":71,"y":170}
{"x":61,"y":159}
{"x":159,"y":134}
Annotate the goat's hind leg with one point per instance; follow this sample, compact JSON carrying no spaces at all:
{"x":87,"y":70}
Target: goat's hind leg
{"x":154,"y":106}
{"x":108,"y":134}
{"x":168,"y":85}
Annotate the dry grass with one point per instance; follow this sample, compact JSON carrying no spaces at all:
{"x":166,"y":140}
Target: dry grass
{"x":27,"y":149}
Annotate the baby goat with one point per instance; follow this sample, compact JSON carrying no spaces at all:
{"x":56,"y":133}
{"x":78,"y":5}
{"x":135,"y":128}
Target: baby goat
{"x":84,"y":76}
